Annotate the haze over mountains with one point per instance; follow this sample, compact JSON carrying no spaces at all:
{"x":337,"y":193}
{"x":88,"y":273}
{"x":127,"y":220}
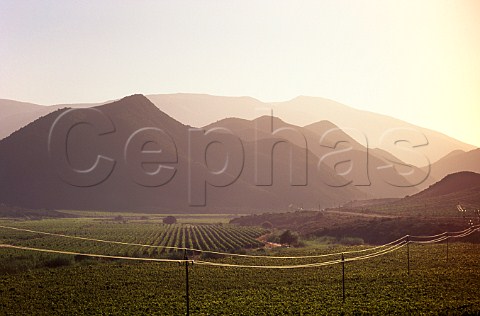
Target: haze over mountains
{"x":30,"y":179}
{"x":201,"y":109}
{"x":455,"y":162}
{"x":15,"y":114}
{"x":366,"y":172}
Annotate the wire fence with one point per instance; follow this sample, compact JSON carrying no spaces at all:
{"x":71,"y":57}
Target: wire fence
{"x":354,"y":255}
{"x":371,"y":252}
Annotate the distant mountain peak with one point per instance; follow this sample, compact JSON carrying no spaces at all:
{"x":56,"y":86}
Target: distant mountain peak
{"x":137,"y":99}
{"x":321,"y":127}
{"x":132,"y":103}
{"x":274,"y":119}
{"x":316,"y":101}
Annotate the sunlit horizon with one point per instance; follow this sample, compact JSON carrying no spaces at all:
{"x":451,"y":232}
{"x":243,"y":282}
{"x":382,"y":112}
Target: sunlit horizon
{"x":417,"y":62}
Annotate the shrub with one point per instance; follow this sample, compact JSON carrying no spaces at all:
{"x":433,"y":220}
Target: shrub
{"x":59,"y":261}
{"x":170,"y":220}
{"x":287,"y":237}
{"x":209,"y":255}
{"x":79,"y":258}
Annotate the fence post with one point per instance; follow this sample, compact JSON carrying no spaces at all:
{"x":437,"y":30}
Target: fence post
{"x":448,"y":237}
{"x":343,"y":278}
{"x":187,"y":294}
{"x":408,"y":254}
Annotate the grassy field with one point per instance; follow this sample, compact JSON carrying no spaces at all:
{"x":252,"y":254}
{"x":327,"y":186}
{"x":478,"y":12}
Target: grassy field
{"x":60,"y":284}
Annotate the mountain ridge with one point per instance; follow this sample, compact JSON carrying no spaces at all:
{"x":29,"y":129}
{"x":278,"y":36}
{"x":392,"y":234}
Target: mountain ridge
{"x":30,"y":179}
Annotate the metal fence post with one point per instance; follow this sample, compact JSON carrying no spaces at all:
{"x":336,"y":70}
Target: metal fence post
{"x":343,"y":278}
{"x":187,"y":294}
{"x":408,"y":254}
{"x":448,"y":237}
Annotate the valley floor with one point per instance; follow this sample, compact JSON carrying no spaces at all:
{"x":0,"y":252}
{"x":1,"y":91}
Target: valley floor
{"x":441,"y":280}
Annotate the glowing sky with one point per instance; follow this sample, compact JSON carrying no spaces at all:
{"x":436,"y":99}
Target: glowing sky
{"x":415,"y":60}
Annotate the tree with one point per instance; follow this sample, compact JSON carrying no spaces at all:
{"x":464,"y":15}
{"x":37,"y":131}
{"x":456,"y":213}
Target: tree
{"x":288,"y":238}
{"x":169,"y":220}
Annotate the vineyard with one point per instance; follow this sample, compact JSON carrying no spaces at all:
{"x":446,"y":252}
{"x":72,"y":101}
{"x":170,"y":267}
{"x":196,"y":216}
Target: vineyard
{"x":137,"y":239}
{"x":412,"y":275}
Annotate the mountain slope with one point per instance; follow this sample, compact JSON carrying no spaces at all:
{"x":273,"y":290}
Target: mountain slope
{"x":30,"y":177}
{"x":15,"y":115}
{"x":456,"y":162}
{"x":373,"y":125}
{"x":366,"y":172}
{"x":451,"y":184}
{"x":200,"y":110}
{"x":440,"y":199}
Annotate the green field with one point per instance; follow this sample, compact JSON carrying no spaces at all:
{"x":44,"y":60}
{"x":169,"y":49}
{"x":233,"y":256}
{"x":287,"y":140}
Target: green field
{"x":163,"y":237}
{"x":50,"y":284}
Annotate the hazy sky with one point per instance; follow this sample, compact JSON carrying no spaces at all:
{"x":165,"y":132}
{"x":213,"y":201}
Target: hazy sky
{"x":414,"y":60}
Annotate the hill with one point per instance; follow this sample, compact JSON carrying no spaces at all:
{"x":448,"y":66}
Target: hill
{"x":429,"y":212}
{"x":451,"y":184}
{"x":356,"y":163}
{"x":455,"y":162}
{"x":31,"y":178}
{"x":344,"y":116}
{"x":15,"y":115}
{"x":201,"y":109}
{"x":438,"y":200}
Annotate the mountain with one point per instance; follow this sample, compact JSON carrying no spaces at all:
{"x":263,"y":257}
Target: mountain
{"x":366,"y":172}
{"x":311,"y":108}
{"x":451,"y":184}
{"x":439,"y":199}
{"x":455,"y":162}
{"x":11,"y":107}
{"x":15,"y":114}
{"x":133,"y":136}
{"x":201,"y":109}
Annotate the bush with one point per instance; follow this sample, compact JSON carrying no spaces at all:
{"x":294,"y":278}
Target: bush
{"x":209,"y":255}
{"x":170,"y":220}
{"x":59,"y":261}
{"x":273,"y":238}
{"x":287,"y":237}
{"x":80,"y":258}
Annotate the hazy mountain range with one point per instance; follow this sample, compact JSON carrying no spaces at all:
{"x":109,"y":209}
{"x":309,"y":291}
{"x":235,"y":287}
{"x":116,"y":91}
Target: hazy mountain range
{"x":201,"y":109}
{"x":30,"y":179}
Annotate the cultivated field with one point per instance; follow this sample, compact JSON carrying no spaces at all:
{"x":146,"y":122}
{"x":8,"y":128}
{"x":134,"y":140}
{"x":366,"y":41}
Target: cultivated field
{"x":55,"y":284}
